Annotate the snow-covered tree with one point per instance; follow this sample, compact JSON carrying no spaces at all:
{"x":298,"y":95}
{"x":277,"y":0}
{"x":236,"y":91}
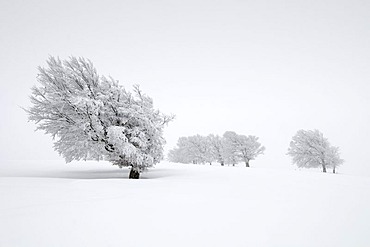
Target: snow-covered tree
{"x":217,"y":148}
{"x":200,"y":147}
{"x":192,"y":149}
{"x":182,"y":153}
{"x":310,"y":149}
{"x":230,"y":151}
{"x":246,"y":148}
{"x":249,"y":148}
{"x":333,"y":159}
{"x":93,"y":117}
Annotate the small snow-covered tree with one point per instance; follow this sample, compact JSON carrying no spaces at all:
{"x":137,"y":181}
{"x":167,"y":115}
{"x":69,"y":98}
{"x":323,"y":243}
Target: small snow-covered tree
{"x":333,"y":159}
{"x":182,"y":152}
{"x":249,"y":148}
{"x":217,"y":148}
{"x":310,"y":149}
{"x":93,"y":117}
{"x":192,"y":149}
{"x":230,"y":151}
{"x":200,"y":148}
{"x":246,"y":148}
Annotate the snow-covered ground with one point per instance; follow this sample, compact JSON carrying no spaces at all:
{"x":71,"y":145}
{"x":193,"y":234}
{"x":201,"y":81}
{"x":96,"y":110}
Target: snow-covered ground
{"x":50,"y":203}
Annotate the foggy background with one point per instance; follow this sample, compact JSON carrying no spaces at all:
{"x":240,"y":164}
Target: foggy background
{"x":264,"y":68}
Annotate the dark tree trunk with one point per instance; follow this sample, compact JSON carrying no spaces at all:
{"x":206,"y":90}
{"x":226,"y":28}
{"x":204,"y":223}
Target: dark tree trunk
{"x":334,"y":169}
{"x":134,"y":174}
{"x":247,"y":163}
{"x":222,"y":164}
{"x":323,"y":168}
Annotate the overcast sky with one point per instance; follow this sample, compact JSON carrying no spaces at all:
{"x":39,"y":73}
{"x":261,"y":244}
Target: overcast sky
{"x":264,"y":68}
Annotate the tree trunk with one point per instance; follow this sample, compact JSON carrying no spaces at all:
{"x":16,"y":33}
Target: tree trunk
{"x":323,"y":168}
{"x":334,"y":169}
{"x":247,"y":163}
{"x":222,"y":164}
{"x":134,"y":173}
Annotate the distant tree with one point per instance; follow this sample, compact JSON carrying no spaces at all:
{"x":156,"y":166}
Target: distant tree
{"x":333,"y":159}
{"x":92,"y":117}
{"x":200,"y":148}
{"x":310,"y":149}
{"x":230,"y":151}
{"x":193,"y":149}
{"x":217,"y":148}
{"x":182,"y":153}
{"x":246,"y":148}
{"x":249,"y":148}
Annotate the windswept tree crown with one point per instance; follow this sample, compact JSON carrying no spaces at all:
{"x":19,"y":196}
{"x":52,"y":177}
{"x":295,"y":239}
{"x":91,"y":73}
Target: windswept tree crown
{"x":92,"y":117}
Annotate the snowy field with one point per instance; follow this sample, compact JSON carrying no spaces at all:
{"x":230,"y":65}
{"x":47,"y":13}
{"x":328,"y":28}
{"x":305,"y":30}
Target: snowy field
{"x":50,"y":203}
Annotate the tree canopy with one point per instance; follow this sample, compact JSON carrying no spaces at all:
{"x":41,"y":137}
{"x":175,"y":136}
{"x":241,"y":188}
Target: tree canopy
{"x":310,"y":149}
{"x":93,"y":117}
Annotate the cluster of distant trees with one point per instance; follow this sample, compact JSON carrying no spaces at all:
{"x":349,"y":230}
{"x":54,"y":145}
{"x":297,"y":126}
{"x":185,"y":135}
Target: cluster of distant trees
{"x":308,"y":149}
{"x":231,"y":148}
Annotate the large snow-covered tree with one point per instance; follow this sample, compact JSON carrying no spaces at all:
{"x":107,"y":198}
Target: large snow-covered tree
{"x":310,"y":149}
{"x":92,"y":117}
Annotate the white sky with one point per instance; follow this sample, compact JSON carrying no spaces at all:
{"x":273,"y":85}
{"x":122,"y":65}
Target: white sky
{"x":264,"y":68}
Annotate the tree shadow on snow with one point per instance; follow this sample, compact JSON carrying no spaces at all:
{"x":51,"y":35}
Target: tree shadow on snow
{"x":69,"y":174}
{"x":153,"y":173}
{"x":80,"y":170}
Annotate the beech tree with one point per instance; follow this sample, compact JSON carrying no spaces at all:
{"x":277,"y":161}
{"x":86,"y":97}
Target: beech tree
{"x":247,"y":148}
{"x":310,"y":149}
{"x":217,"y":148}
{"x":333,"y":159}
{"x":92,"y":117}
{"x":192,"y":149}
{"x":200,"y":148}
{"x":182,"y":153}
{"x":230,"y":151}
